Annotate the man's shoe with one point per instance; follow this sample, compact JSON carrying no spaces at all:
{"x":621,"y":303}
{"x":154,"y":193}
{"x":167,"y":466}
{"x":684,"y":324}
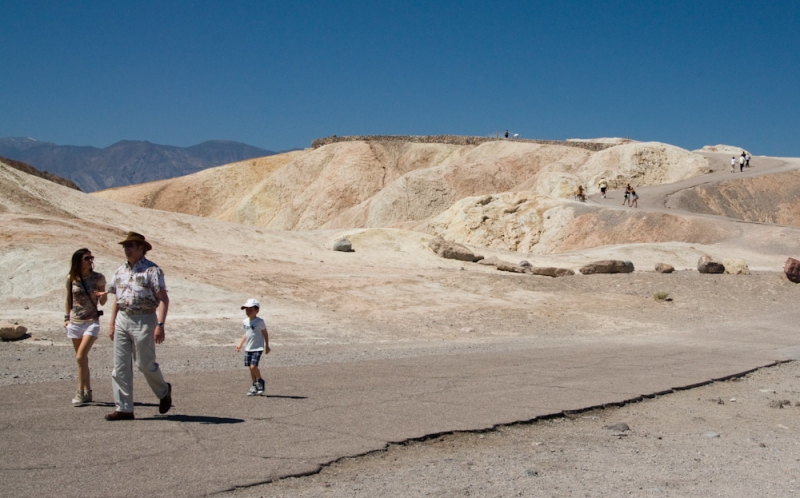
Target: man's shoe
{"x":253,"y":390}
{"x":119,"y":416}
{"x":166,"y":402}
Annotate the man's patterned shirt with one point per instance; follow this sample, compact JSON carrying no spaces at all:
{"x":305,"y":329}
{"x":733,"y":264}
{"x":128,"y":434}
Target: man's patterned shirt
{"x":136,"y":288}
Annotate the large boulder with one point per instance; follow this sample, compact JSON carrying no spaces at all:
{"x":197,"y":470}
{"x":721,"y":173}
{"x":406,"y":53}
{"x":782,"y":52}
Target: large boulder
{"x":452,"y":250}
{"x":792,"y":270}
{"x":607,"y":266}
{"x":11,"y":331}
{"x":664,"y":268}
{"x":736,"y":267}
{"x":706,"y":264}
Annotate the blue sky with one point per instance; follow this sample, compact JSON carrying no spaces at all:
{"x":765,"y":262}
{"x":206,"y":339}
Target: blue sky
{"x":279,"y":74}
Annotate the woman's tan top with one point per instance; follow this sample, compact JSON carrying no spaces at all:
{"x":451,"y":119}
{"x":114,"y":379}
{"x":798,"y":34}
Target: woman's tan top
{"x":84,"y":306}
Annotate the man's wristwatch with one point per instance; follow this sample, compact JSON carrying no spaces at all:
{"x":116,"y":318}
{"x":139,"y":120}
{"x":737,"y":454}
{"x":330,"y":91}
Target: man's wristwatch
{"x":160,"y":324}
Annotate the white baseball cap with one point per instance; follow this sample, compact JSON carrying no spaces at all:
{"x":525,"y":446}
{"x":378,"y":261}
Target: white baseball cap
{"x":251,"y":303}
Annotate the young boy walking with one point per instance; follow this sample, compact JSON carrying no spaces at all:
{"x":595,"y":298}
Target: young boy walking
{"x":256,"y":341}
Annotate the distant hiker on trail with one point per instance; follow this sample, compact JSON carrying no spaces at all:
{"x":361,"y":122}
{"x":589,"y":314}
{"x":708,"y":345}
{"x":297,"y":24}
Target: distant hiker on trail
{"x":733,"y":164}
{"x":603,"y":184}
{"x":137,"y":325}
{"x":627,"y":198}
{"x":580,"y":194}
{"x":256,"y":341}
{"x":634,"y":198}
{"x":86,"y":289}
{"x":506,"y":133}
{"x":747,"y":161}
{"x":741,"y":163}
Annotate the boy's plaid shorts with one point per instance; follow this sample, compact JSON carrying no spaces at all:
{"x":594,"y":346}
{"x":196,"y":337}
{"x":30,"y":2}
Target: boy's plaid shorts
{"x":252,"y":358}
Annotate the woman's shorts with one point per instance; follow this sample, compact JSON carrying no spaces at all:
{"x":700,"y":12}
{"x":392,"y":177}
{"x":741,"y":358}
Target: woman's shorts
{"x":78,"y":330}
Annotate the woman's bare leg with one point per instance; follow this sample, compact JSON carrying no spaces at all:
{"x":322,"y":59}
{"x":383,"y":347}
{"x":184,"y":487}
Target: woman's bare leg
{"x":82,"y":347}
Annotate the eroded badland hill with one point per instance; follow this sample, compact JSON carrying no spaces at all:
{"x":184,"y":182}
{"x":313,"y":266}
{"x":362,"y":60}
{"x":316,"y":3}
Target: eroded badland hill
{"x":264,"y":227}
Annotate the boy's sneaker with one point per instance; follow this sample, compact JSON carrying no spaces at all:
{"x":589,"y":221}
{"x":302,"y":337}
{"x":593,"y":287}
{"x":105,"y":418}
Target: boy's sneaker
{"x":79,"y":399}
{"x":87,"y":396}
{"x":253,"y":390}
{"x":260,"y":387}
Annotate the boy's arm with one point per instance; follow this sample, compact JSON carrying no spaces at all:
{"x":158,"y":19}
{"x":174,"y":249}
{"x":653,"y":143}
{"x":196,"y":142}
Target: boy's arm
{"x":241,"y":343}
{"x":266,"y":340}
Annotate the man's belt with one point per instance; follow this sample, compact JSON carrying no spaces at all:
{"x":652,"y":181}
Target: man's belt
{"x":139,"y":312}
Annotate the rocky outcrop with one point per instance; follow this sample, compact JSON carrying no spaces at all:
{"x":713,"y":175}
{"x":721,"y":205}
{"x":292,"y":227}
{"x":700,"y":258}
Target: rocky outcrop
{"x":607,"y":266}
{"x":664,"y":268}
{"x":451,"y":250}
{"x":508,"y":221}
{"x":706,"y":264}
{"x":792,"y":270}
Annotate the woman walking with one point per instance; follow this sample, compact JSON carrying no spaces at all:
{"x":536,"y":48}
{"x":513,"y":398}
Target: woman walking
{"x":86,"y":289}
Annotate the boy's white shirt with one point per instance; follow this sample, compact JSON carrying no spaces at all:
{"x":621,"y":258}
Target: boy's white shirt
{"x":254,"y":336}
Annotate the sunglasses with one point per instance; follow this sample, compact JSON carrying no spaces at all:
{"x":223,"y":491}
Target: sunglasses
{"x":130,"y":244}
{"x":88,"y":258}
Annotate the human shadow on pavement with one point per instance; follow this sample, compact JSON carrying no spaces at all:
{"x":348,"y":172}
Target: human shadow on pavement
{"x":199,"y":419}
{"x":284,"y":396}
{"x":112,"y":404}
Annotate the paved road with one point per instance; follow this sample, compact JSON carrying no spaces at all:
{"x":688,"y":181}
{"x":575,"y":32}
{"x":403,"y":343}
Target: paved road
{"x":216,"y":438}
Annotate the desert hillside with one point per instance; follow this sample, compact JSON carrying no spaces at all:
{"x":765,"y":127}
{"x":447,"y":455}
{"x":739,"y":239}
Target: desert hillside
{"x":424,"y":186}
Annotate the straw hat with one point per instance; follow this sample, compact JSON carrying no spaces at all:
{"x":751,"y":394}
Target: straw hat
{"x":139,"y":238}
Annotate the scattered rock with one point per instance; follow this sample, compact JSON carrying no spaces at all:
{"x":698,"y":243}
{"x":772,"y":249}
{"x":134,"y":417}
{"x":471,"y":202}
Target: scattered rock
{"x":620,"y":427}
{"x":707,"y":265}
{"x":550,"y":271}
{"x":664,"y":268}
{"x":718,"y":401}
{"x":12,"y":331}
{"x":505,"y":266}
{"x":490,"y":261}
{"x":525,"y":264}
{"x":735,"y":267}
{"x":452,"y":250}
{"x":779,"y":403}
{"x":711,"y":434}
{"x":532,"y":472}
{"x":607,"y":266}
{"x":343,"y":245}
{"x":792,"y":270}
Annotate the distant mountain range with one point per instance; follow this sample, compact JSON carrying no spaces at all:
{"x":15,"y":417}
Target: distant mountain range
{"x":126,"y":162}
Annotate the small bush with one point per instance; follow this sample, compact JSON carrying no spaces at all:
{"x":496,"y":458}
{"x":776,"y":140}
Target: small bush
{"x":661,"y":296}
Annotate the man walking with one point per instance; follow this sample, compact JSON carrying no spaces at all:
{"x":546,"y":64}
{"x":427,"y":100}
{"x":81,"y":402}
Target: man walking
{"x":137,"y":325}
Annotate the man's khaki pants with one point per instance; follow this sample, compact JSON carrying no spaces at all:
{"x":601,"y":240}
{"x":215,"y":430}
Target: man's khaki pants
{"x":133,"y":341}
